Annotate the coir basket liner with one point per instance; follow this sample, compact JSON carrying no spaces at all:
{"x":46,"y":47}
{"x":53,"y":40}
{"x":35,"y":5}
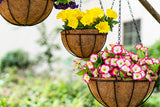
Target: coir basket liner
{"x":83,"y":43}
{"x":25,"y":12}
{"x":114,"y":92}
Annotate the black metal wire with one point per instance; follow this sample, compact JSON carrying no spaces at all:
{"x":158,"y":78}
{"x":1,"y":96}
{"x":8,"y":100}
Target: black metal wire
{"x":100,"y":95}
{"x":81,"y":45}
{"x":43,"y":12}
{"x":28,"y":12}
{"x":95,"y":38}
{"x":11,"y":13}
{"x":80,"y":5}
{"x":131,"y":94}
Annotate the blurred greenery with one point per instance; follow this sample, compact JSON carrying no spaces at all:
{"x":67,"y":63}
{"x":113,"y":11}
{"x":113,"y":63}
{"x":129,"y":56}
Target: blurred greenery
{"x":17,"y":58}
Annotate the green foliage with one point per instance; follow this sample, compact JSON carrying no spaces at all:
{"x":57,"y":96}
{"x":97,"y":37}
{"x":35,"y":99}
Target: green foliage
{"x":47,"y":41}
{"x":17,"y":58}
{"x":3,"y":102}
{"x":154,"y":50}
{"x":140,"y":54}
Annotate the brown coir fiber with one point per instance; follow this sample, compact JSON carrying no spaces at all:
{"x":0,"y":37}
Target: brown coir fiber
{"x":83,"y":43}
{"x":25,"y":12}
{"x":120,"y":93}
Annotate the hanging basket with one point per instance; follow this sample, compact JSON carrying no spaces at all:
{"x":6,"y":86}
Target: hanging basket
{"x":120,"y":93}
{"x":82,"y":43}
{"x":25,"y":12}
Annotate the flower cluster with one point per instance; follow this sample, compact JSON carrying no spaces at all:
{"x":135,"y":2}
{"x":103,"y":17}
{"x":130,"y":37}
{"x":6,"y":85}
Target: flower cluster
{"x":118,"y":62}
{"x":1,"y":1}
{"x":64,"y":6}
{"x":91,"y":19}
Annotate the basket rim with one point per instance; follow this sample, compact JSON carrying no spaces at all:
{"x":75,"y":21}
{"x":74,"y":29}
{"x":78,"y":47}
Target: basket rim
{"x":83,"y":31}
{"x":154,"y":78}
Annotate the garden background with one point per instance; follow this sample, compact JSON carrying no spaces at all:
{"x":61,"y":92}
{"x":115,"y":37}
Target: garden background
{"x":36,"y":70}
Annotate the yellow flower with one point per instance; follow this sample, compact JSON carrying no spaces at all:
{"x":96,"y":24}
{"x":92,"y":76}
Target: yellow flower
{"x":111,"y":13}
{"x":95,"y":12}
{"x":79,"y":14}
{"x":73,"y":22}
{"x":103,"y":27}
{"x":87,"y":20}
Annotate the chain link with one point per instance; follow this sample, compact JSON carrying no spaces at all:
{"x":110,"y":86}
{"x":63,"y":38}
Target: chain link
{"x":134,"y":21}
{"x":119,"y":25}
{"x":112,"y":4}
{"x":80,"y":5}
{"x":100,"y":2}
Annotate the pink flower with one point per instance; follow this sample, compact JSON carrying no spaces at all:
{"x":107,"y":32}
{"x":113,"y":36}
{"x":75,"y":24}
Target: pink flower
{"x":138,"y":47}
{"x":149,"y":61}
{"x":95,"y":72}
{"x":77,"y":61}
{"x":107,"y":61}
{"x":93,"y":58}
{"x":150,"y":71}
{"x":113,"y":62}
{"x":105,"y":69}
{"x":127,"y":62}
{"x":117,"y":49}
{"x":104,"y":55}
{"x":137,"y":76}
{"x":125,"y":68}
{"x":136,"y":68}
{"x":148,"y":77}
{"x":142,"y":61}
{"x":106,"y":75}
{"x":144,"y":49}
{"x":115,"y":72}
{"x":76,"y":67}
{"x":134,"y":56}
{"x":89,"y":65}
{"x":86,"y":78}
{"x":144,"y":67}
{"x":111,"y":45}
{"x":155,"y":61}
{"x":143,"y":74}
{"x":120,"y":62}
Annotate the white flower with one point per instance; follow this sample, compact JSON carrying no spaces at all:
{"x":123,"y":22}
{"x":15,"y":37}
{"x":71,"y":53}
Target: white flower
{"x":105,"y":69}
{"x":93,"y":58}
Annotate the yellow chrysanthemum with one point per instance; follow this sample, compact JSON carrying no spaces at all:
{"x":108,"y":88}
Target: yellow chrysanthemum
{"x":111,"y":13}
{"x":103,"y":27}
{"x":72,"y":22}
{"x":95,"y":12}
{"x":87,"y":20}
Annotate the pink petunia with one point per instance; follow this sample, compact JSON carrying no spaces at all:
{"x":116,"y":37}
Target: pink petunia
{"x":150,"y":71}
{"x":144,"y":49}
{"x":113,"y":62}
{"x":149,"y":61}
{"x":93,"y":58}
{"x":117,"y":49}
{"x":104,"y":55}
{"x":148,"y":76}
{"x":144,"y":67}
{"x":134,"y":56}
{"x":105,"y":69}
{"x":138,"y":47}
{"x":143,"y":74}
{"x":142,"y":61}
{"x":86,"y":78}
{"x":95,"y":72}
{"x":89,"y":65}
{"x":120,"y":62}
{"x":125,"y":68}
{"x":137,"y":76}
{"x":127,"y":62}
{"x":136,"y":68}
{"x":107,"y":61}
{"x":115,"y":71}
{"x":108,"y":75}
{"x":155,"y":61}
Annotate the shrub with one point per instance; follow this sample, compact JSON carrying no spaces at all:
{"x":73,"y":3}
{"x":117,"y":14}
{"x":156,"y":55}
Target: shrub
{"x":18,"y":58}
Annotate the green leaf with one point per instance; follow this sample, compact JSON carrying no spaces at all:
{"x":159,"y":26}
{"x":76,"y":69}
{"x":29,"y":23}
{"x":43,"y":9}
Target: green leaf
{"x":111,"y":55}
{"x":81,"y":72}
{"x":105,"y":49}
{"x":140,"y":54}
{"x":86,"y":59}
{"x":121,"y":74}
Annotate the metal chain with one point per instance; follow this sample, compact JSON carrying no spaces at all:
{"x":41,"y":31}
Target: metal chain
{"x":134,"y":21}
{"x":80,"y":5}
{"x":119,"y":25}
{"x":100,"y":2}
{"x":112,"y":4}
